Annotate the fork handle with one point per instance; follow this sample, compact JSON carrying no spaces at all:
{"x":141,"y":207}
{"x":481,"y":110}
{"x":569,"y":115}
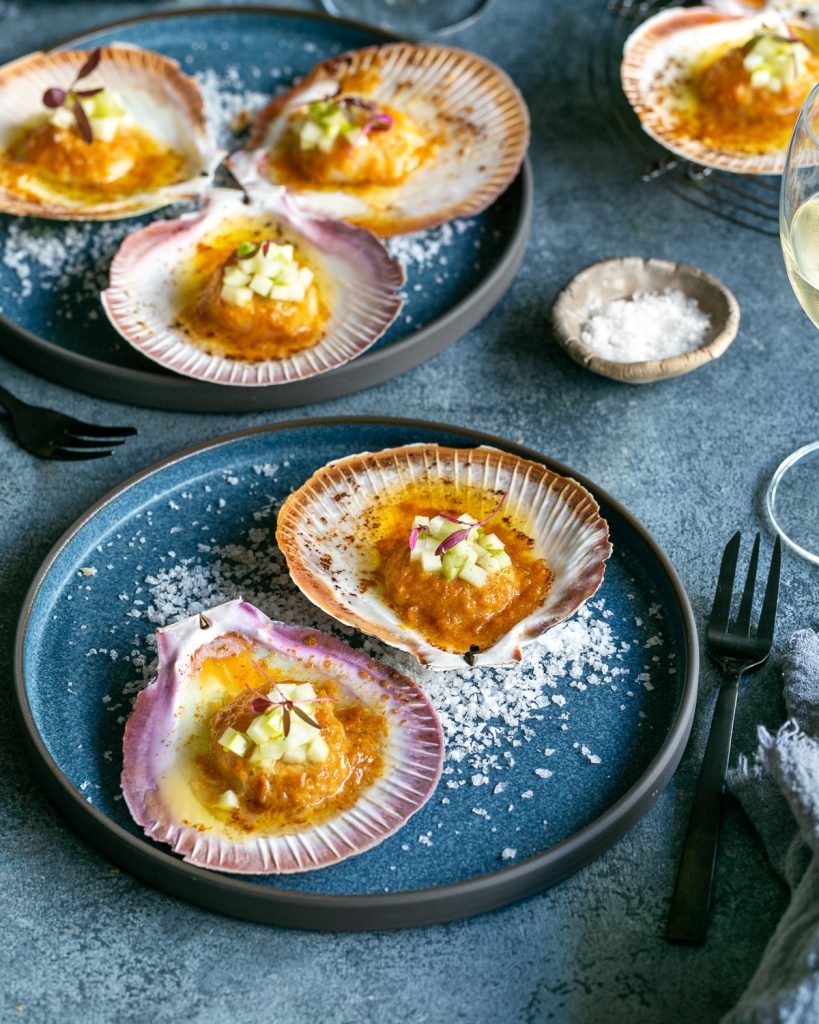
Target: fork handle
{"x":690,"y":904}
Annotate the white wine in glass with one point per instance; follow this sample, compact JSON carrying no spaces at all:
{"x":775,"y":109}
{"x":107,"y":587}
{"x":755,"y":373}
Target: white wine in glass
{"x":792,"y":498}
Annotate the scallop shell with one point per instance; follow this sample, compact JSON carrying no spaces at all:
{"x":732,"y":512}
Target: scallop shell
{"x":467,"y":103}
{"x":657,"y":58}
{"x":804,"y":11}
{"x":142,"y":301}
{"x":162,"y":99}
{"x":162,"y":719}
{"x":330,"y":560}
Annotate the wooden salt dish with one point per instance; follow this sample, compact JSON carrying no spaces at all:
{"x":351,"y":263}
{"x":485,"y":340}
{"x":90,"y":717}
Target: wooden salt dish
{"x":625,"y":277}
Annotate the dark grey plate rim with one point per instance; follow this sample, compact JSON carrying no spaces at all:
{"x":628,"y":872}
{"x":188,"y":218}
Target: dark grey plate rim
{"x":325,"y":912}
{"x":156,"y":390}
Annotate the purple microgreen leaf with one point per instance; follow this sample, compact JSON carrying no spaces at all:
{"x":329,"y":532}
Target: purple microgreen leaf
{"x":83,"y":124}
{"x":90,"y":64}
{"x":88,"y":93}
{"x":415,"y":533}
{"x":260,"y":705}
{"x":459,"y":535}
{"x":286,"y":720}
{"x":452,"y":540}
{"x":378,"y":123}
{"x":356,"y":101}
{"x":305,"y":717}
{"x":54,"y":98}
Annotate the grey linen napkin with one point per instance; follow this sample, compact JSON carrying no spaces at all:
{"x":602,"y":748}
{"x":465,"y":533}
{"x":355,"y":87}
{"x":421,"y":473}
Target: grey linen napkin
{"x":779,"y":790}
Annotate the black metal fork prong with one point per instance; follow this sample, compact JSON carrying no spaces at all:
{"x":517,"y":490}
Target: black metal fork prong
{"x":743,"y":623}
{"x":81,"y":429}
{"x":67,"y":440}
{"x":721,"y":611}
{"x":769,"y":601}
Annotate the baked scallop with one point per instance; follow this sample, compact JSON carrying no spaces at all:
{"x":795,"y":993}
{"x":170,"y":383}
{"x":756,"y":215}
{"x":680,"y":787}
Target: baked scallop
{"x":100,"y":135}
{"x":719,"y":88}
{"x":252,"y":293}
{"x":454,"y":555}
{"x":265,"y":748}
{"x":395,"y":138}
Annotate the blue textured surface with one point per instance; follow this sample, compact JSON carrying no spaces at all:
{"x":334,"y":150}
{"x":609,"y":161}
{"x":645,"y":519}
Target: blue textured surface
{"x":78,"y":694}
{"x":251,"y":55}
{"x":85,"y":944}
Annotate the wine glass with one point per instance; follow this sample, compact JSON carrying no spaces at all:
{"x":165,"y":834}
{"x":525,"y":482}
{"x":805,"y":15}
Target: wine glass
{"x":411,"y":18}
{"x":792,"y":498}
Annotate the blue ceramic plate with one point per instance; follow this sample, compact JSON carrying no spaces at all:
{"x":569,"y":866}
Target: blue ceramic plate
{"x":551,"y":762}
{"x":51,"y":273}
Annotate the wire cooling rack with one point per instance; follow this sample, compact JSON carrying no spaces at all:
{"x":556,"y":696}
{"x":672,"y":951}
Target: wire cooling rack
{"x":751,"y":201}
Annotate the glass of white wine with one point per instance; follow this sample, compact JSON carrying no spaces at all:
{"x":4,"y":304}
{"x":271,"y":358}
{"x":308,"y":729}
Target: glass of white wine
{"x":792,"y":498}
{"x":411,"y":18}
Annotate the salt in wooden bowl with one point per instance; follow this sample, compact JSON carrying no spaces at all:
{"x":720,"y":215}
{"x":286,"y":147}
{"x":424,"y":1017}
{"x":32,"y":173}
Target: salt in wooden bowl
{"x":624,"y":278}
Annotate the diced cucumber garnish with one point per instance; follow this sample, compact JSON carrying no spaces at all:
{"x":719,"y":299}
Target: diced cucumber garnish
{"x":104,"y":128}
{"x":430,"y":562}
{"x":473,"y":574}
{"x":237,"y":296}
{"x":258,"y":730}
{"x":318,"y":750}
{"x":451,"y":563}
{"x":234,"y":741}
{"x":492,"y":542}
{"x":260,"y":285}
{"x":246,"y":249}
{"x":441,"y":528}
{"x":235,"y":277}
{"x":228,"y":800}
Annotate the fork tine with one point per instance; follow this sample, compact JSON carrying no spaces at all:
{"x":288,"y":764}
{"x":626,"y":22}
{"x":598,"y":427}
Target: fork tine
{"x":743,"y":623}
{"x":68,"y":456}
{"x":725,"y":585}
{"x":767,"y":618}
{"x":95,"y":430}
{"x":66,"y":440}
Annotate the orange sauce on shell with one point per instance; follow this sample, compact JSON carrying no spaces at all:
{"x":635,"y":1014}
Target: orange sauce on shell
{"x":59,"y":160}
{"x":264,"y":328}
{"x":726,"y":113}
{"x":453,"y":614}
{"x":290,"y":797}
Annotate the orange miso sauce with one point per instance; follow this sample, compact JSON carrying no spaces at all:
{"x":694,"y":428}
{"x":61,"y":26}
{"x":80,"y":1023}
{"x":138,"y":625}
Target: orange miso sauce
{"x":264,"y":328}
{"x":453,"y":614}
{"x":60,"y":161}
{"x":286,"y":797}
{"x":727,"y":113}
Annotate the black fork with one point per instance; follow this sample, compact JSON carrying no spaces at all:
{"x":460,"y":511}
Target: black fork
{"x":53,"y":435}
{"x":736,"y":650}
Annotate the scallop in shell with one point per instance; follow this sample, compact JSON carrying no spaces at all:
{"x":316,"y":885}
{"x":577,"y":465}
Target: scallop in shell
{"x":720,"y":88}
{"x":396,"y":137}
{"x":221,"y":761}
{"x":146,"y":141}
{"x":350,"y":535}
{"x":179,"y":294}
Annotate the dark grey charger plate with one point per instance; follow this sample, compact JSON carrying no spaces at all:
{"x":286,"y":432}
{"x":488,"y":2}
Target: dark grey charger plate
{"x":70,"y":693}
{"x":53,"y":324}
